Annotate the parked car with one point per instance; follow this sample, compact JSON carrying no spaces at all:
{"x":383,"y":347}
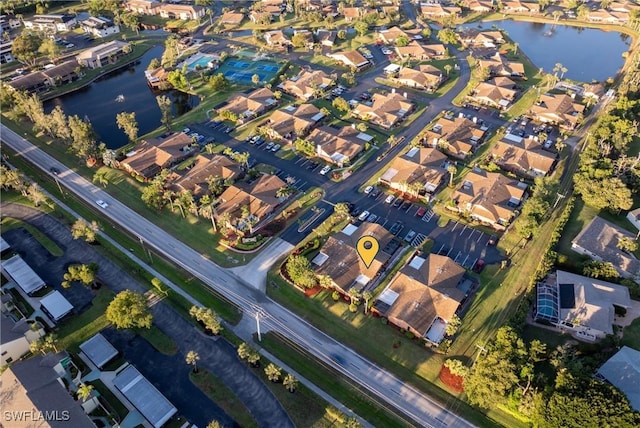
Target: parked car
{"x":372,"y":218}
{"x":410,"y":235}
{"x":479,"y":266}
{"x":396,"y":228}
{"x":269,"y":146}
{"x":389,"y":199}
{"x":421,"y":211}
{"x":398,"y":202}
{"x":375,"y":193}
{"x":325,"y":170}
{"x":493,"y":240}
{"x":368,"y":190}
{"x":275,"y":148}
{"x":363,"y":215}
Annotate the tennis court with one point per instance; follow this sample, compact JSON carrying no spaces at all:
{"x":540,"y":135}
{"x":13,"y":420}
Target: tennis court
{"x":242,"y":70}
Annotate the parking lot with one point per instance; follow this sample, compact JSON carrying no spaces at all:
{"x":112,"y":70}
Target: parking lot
{"x":464,"y":244}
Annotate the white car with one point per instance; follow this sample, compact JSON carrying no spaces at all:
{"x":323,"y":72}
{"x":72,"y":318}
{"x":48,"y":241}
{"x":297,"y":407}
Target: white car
{"x":102,"y":204}
{"x":389,"y":199}
{"x":275,"y":148}
{"x":325,"y":170}
{"x":368,"y":190}
{"x":363,"y":216}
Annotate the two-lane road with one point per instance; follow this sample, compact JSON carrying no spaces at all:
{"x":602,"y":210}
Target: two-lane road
{"x":406,"y":399}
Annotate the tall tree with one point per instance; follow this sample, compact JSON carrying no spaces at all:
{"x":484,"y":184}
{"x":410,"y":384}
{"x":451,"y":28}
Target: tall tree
{"x":129,"y":310}
{"x":273,"y":372}
{"x":85,"y":274}
{"x":82,"y":229}
{"x":164,"y":102}
{"x":127,"y":122}
{"x":25,"y":47}
{"x":192,"y":359}
{"x":50,"y":49}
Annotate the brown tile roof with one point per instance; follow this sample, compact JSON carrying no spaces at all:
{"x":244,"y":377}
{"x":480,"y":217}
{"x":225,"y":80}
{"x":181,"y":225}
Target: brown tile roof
{"x":413,"y":50}
{"x":343,"y":265}
{"x":386,"y":110}
{"x":259,"y":196}
{"x":294,"y":120}
{"x":349,"y":58}
{"x":489,"y":196}
{"x":333,"y":144}
{"x":493,"y":91}
{"x":351,"y":12}
{"x":390,"y":35}
{"x":232,"y":17}
{"x":306,"y":83}
{"x":204,"y":166}
{"x":436,"y":9}
{"x":426,"y":290}
{"x":253,"y":103}
{"x":522,"y":155}
{"x":427,"y":77}
{"x":155,"y":154}
{"x":500,"y":66}
{"x":461,"y":134}
{"x":557,"y":108}
{"x":422,"y":165}
{"x":600,"y":238}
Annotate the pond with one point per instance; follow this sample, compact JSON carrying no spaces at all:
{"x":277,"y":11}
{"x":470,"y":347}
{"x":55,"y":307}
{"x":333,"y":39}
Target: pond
{"x":125,"y":89}
{"x":587,"y":53}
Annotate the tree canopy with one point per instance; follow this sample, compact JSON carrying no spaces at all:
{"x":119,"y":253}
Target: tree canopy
{"x":129,"y":310}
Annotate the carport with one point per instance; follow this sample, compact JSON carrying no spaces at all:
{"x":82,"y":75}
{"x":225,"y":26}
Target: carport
{"x":20,"y":272}
{"x":99,"y":350}
{"x":55,"y":305}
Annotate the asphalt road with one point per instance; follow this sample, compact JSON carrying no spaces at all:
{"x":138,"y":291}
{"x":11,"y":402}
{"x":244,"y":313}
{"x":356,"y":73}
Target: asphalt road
{"x":396,"y":393}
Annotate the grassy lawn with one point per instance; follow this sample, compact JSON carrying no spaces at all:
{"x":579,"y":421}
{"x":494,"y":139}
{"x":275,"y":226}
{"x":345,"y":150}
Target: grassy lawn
{"x":631,"y":335}
{"x":9,"y":223}
{"x":223,"y":397}
{"x":201,"y":292}
{"x":75,"y":330}
{"x":163,"y":343}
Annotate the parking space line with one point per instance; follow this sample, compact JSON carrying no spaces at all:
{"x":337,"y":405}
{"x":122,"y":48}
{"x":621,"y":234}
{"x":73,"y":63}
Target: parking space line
{"x":449,"y":252}
{"x":480,"y":237}
{"x":472,"y":231}
{"x":454,"y":226}
{"x":465,"y":260}
{"x":474,"y":263}
{"x":305,"y":162}
{"x":463,"y":229}
{"x":385,"y":222}
{"x":440,"y":249}
{"x":302,"y":185}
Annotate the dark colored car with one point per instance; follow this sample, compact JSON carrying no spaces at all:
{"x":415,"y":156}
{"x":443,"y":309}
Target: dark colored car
{"x":479,"y":266}
{"x":54,"y":170}
{"x":493,"y":240}
{"x":398,"y":202}
{"x":396,"y":228}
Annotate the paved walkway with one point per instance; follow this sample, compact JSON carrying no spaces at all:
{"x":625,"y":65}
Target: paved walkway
{"x":215,"y":355}
{"x":255,"y":272}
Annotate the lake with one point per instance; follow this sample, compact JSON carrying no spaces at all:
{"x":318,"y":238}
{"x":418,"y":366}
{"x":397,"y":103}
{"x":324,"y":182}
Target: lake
{"x":98,"y":101}
{"x":587,"y":53}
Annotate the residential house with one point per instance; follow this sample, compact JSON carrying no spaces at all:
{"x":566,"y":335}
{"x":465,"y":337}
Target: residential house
{"x":600,"y":240}
{"x":478,"y":5}
{"x":248,"y":106}
{"x":338,"y":258}
{"x":103,"y":54}
{"x":232,"y":18}
{"x":142,"y":7}
{"x":184,"y":12}
{"x":338,"y":146}
{"x":276,"y":38}
{"x":634,"y":218}
{"x":385,"y":111}
{"x":414,"y":51}
{"x":437,"y":10}
{"x":525,"y":157}
{"x":8,"y":23}
{"x":351,"y":13}
{"x":263,"y":18}
{"x":498,"y":93}
{"x":41,"y":81}
{"x":488,"y":197}
{"x":99,"y":27}
{"x":34,"y":394}
{"x":595,"y":91}
{"x":500,"y":66}
{"x":194,"y":178}
{"x":306,"y":38}
{"x":260,"y":198}
{"x":426,"y":78}
{"x":51,"y":23}
{"x":586,"y":307}
{"x":435,"y":50}
{"x":305,"y":86}
{"x":6,"y":55}
{"x":423,"y":296}
{"x":622,"y":370}
{"x":487,"y":39}
{"x":272,"y":7}
{"x":458,"y":137}
{"x":152,"y":156}
{"x":158,"y":78}
{"x":608,"y":16}
{"x":392,"y":10}
{"x":352,"y":59}
{"x":16,"y":336}
{"x":326,"y":37}
{"x":516,"y":6}
{"x":390,"y":35}
{"x":419,"y":171}
{"x":559,"y":109}
{"x":293,"y":122}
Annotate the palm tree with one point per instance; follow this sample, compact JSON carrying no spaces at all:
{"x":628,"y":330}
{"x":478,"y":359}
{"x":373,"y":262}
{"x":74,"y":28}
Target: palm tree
{"x":354,"y":295}
{"x":100,"y":177}
{"x":447,"y":68}
{"x":516,"y":45}
{"x":285,"y":191}
{"x":207,"y":210}
{"x":562,"y":71}
{"x":451,"y":169}
{"x":290,"y":382}
{"x":341,"y":210}
{"x":192,"y":358}
{"x":367,"y":295}
{"x":273,"y":372}
{"x":84,"y":391}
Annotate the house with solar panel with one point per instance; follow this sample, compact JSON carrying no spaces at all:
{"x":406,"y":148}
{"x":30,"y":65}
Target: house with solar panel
{"x":586,"y":307}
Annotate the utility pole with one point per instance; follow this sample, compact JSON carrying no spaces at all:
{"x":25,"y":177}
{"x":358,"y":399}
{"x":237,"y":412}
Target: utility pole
{"x":560,"y":196}
{"x":145,"y":250}
{"x":55,"y":177}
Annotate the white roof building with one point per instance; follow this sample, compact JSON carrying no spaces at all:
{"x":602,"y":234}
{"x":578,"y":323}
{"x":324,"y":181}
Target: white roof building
{"x":55,"y":305}
{"x":20,"y":272}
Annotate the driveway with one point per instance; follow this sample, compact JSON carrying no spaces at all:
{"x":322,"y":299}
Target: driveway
{"x":254,"y":273}
{"x":464,"y":244}
{"x":218,"y":356}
